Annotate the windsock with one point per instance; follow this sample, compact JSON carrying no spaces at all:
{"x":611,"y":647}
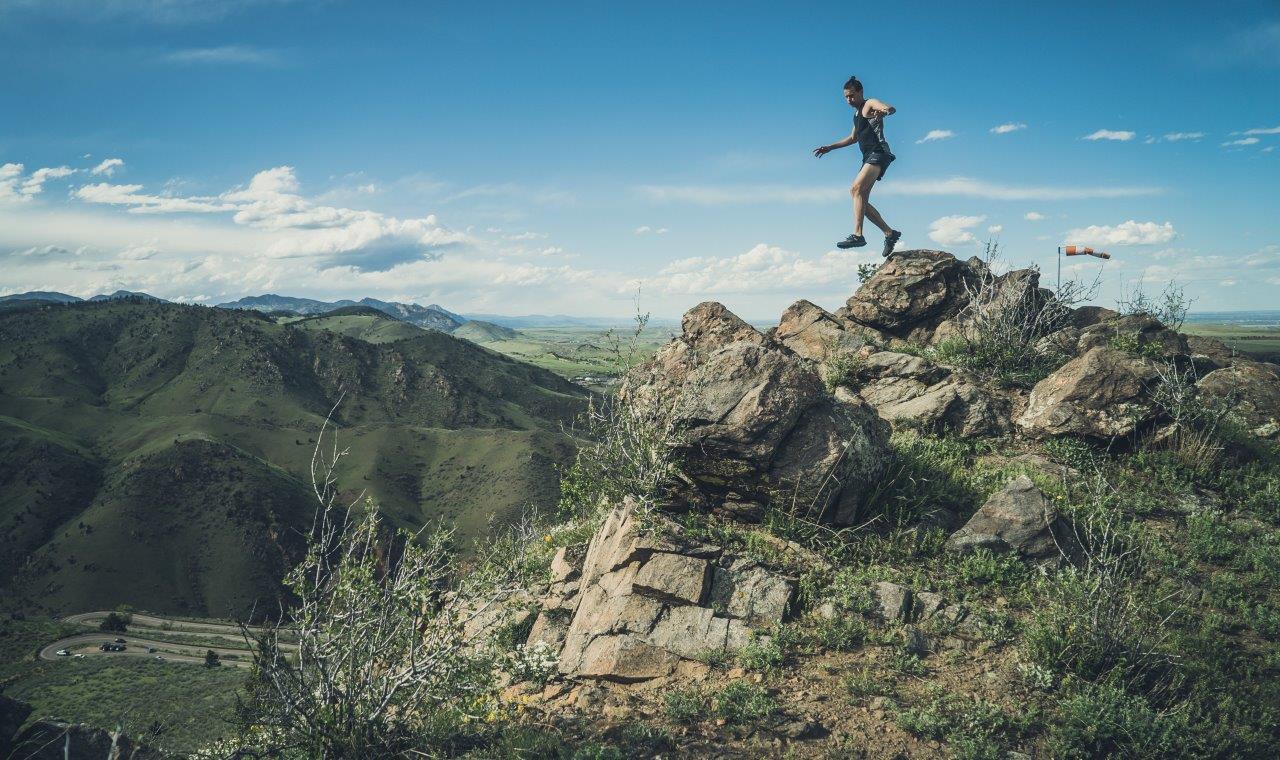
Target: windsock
{"x":1079,"y":250}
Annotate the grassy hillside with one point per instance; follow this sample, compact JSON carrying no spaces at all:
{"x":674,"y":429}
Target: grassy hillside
{"x":362,"y":323}
{"x":484,"y":332}
{"x":1261,"y":343}
{"x":157,"y":454}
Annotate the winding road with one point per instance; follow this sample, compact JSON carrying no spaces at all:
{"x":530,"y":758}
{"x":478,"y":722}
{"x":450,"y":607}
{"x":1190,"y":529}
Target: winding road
{"x":161,"y":634}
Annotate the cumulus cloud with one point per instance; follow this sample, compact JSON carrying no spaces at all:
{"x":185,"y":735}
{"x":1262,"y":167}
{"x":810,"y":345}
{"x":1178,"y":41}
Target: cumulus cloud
{"x":1004,"y":129}
{"x":996,"y":229}
{"x":936,"y":134}
{"x":1178,"y":136}
{"x":1110,"y":134}
{"x":763,"y":269}
{"x":954,"y":230}
{"x":1033,"y":216}
{"x":34,"y":185}
{"x":9,"y":176}
{"x":724,"y":195}
{"x":107,"y":168}
{"x":366,"y":240}
{"x":1242,"y":141}
{"x":1126,"y":233}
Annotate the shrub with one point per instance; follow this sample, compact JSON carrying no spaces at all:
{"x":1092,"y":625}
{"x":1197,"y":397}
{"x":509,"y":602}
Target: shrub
{"x":114,"y":622}
{"x":1170,"y":307}
{"x":763,"y":654}
{"x":1102,"y":720}
{"x":973,"y":728}
{"x":742,"y":702}
{"x":684,"y":705}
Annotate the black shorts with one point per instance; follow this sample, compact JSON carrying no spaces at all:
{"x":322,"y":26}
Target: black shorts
{"x":879,"y":158}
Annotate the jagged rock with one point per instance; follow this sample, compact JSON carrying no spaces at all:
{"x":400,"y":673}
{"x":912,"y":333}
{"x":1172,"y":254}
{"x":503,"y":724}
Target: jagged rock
{"x":893,"y":601}
{"x":53,"y":740}
{"x":1212,"y":349}
{"x":913,"y":390}
{"x":650,"y":600}
{"x":754,"y":422}
{"x":1253,"y":391}
{"x":1149,"y":334}
{"x":815,"y":333}
{"x":1101,"y":394}
{"x":1019,"y":519}
{"x":1087,"y":316}
{"x":910,"y":290}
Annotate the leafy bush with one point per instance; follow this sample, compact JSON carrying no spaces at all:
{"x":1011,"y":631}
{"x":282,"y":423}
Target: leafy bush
{"x":114,"y":622}
{"x":973,"y":728}
{"x":763,"y":654}
{"x":742,"y":702}
{"x":1103,"y":720}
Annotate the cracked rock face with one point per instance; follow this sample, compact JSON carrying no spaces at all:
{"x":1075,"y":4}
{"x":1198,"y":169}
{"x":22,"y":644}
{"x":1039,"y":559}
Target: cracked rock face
{"x":645,"y":604}
{"x":912,"y":292}
{"x":753,"y":422}
{"x":911,"y":389}
{"x":1101,"y":394}
{"x":1253,"y":390}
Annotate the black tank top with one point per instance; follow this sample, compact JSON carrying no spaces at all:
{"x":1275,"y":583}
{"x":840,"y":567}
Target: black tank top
{"x":870,"y":133}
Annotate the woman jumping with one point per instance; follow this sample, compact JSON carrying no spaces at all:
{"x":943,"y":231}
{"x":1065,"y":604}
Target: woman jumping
{"x":868,"y":133}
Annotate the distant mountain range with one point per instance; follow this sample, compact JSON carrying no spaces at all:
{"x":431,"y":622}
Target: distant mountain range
{"x":432,"y":316}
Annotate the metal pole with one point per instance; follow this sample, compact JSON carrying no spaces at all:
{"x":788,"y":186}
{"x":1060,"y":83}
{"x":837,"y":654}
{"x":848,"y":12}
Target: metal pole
{"x":1058,"y":285}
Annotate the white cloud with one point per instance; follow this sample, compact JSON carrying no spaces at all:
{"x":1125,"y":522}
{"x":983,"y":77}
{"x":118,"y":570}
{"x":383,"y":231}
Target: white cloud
{"x":526,"y":236}
{"x":645,"y":229}
{"x":1268,"y":149}
{"x":1126,"y":233}
{"x":35,"y":183}
{"x":972,"y":188}
{"x":137,"y":253}
{"x":1177,"y":136}
{"x":366,"y":240}
{"x":1230,"y":282}
{"x":1004,"y":129}
{"x":1241,"y":141}
{"x":9,"y":175}
{"x":724,"y":195}
{"x":954,"y":230}
{"x":1110,"y":134}
{"x":107,"y":167}
{"x":996,"y":229}
{"x":763,"y":269}
{"x":936,"y":134}
{"x":1263,"y":131}
{"x":1033,"y":216}
{"x":226,"y":54}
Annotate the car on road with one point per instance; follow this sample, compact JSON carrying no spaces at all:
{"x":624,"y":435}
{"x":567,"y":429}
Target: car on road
{"x":78,"y":656}
{"x":109,"y":647}
{"x":151,"y":650}
{"x":159,"y":657}
{"x":120,"y":641}
{"x":63,"y":653}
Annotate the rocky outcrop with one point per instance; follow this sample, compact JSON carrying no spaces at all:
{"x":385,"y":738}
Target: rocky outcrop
{"x":53,"y":740}
{"x":1101,"y":394}
{"x":12,"y":715}
{"x":1018,"y":519}
{"x":1087,"y":316}
{"x":1142,"y":332}
{"x":646,"y":600}
{"x":1252,"y":389}
{"x":753,"y":423}
{"x":915,"y":391}
{"x":817,"y":334}
{"x":911,"y":294}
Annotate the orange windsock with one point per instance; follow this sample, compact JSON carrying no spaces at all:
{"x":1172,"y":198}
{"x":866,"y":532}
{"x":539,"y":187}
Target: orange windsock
{"x":1080,"y":250}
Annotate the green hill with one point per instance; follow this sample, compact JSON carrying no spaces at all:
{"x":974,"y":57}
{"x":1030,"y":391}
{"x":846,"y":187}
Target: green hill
{"x":485,"y":332}
{"x":157,"y":454}
{"x":361,"y":322}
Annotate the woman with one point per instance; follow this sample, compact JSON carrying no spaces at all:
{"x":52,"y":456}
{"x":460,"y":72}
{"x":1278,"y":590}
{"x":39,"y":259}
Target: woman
{"x":868,"y":133}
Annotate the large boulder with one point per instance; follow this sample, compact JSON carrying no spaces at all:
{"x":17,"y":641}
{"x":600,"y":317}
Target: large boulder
{"x":816,"y":334}
{"x":651,"y":600}
{"x":751,"y":421}
{"x":910,"y":291}
{"x":1252,"y":389}
{"x":1100,"y":394}
{"x":1018,"y":519}
{"x":1141,"y":332}
{"x":916,"y":392}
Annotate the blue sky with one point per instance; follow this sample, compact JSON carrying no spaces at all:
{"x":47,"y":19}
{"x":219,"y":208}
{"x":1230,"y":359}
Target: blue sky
{"x":558,"y":157}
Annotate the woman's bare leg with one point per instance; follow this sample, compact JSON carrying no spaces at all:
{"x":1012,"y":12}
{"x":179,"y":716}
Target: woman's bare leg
{"x":861,"y":191}
{"x":875,"y":217}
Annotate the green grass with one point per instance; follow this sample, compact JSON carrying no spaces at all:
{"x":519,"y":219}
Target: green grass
{"x":1262,"y":343}
{"x":574,"y":352}
{"x":189,"y":703}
